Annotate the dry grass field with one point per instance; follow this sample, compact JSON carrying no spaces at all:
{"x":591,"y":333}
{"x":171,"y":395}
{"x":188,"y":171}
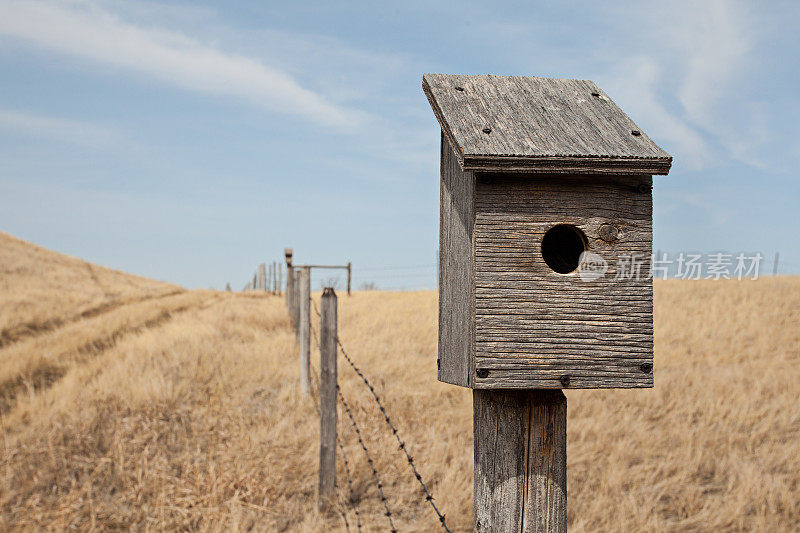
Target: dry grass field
{"x":128,"y":403}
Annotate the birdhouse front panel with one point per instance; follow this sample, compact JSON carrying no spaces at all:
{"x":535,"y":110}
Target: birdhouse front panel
{"x":563,"y":296}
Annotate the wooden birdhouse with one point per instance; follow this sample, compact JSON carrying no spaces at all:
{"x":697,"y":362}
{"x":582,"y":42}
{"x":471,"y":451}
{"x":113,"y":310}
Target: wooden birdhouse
{"x":545,"y":235}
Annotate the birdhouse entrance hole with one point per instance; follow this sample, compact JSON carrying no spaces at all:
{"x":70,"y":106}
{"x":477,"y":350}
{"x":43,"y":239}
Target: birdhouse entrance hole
{"x":562,"y":246}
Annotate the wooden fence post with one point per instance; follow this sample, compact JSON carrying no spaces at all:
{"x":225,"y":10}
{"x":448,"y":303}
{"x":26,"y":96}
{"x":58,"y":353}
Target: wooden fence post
{"x":288,"y":288}
{"x":280,"y":277}
{"x":289,"y":279}
{"x":349,"y":276}
{"x":327,"y":398}
{"x":305,"y":328}
{"x":296,"y":301}
{"x":520,"y":460}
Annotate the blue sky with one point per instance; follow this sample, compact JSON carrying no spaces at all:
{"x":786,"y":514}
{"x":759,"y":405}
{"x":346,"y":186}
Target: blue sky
{"x":189,"y":141}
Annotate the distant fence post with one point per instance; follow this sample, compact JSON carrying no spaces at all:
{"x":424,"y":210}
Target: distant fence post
{"x":305,"y":328}
{"x":327,"y":398}
{"x":280,"y":277}
{"x":296,"y":301}
{"x":262,"y":275}
{"x":289,"y":280}
{"x":349,"y":276}
{"x":255,"y":281}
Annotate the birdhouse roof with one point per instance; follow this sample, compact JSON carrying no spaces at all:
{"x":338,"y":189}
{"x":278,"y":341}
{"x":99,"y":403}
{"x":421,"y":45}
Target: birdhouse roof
{"x":516,"y":123}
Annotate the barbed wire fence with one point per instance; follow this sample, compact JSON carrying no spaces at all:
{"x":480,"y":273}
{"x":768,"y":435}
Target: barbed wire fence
{"x":270,"y":279}
{"x":349,"y":501}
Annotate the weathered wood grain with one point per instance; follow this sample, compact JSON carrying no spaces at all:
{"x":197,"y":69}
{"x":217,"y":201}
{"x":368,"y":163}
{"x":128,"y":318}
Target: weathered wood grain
{"x":534,"y":326}
{"x":327,"y":399}
{"x":527,"y":124}
{"x":520,"y":446}
{"x":456,"y":299}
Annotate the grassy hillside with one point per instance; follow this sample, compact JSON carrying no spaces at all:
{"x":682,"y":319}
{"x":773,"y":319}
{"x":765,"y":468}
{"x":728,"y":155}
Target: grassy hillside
{"x":42,"y":290}
{"x":184,"y":411}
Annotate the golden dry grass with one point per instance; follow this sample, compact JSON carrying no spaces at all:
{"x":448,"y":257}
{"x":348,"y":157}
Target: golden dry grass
{"x":41,"y":290}
{"x":185,"y":412}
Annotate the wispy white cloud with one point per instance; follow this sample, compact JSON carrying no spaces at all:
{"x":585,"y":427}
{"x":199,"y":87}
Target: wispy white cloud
{"x":714,"y":39}
{"x":69,"y":131}
{"x":90,"y":32}
{"x":636,"y":82}
{"x":691,"y":63}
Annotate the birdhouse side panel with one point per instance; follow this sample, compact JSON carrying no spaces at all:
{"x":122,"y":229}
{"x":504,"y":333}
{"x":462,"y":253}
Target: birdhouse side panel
{"x":456,"y":312}
{"x":536,"y":327}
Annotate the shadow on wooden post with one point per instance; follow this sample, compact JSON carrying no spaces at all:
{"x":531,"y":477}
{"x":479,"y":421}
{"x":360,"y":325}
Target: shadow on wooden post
{"x":520,"y":460}
{"x":327,"y":399}
{"x":305,"y":328}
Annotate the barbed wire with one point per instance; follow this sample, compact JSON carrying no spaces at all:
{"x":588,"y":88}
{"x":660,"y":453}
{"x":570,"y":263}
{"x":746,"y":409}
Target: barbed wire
{"x":349,"y":485}
{"x":409,"y":458}
{"x":315,"y":401}
{"x":428,"y":496}
{"x":315,"y":398}
{"x":369,"y":458}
